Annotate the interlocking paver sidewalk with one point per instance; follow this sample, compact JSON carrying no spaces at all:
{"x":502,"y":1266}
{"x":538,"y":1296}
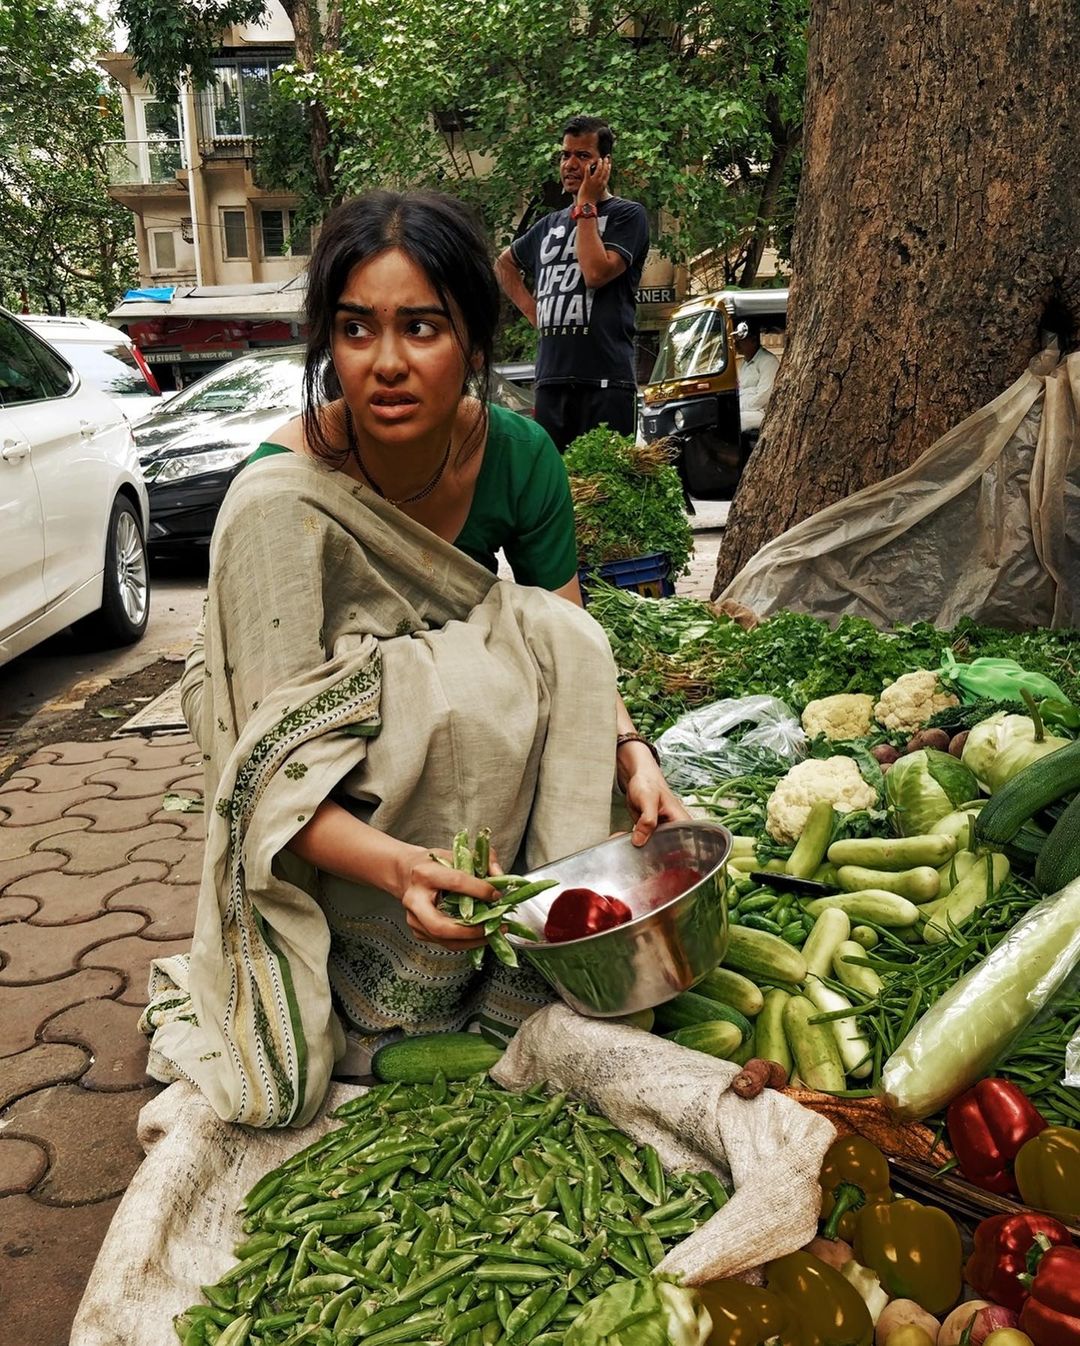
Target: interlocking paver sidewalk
{"x":96,"y":879}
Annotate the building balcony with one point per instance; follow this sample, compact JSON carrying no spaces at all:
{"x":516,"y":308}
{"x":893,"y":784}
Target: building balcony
{"x":144,"y":163}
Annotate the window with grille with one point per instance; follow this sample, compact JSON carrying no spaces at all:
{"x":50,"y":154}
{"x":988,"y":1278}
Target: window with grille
{"x":281,"y":236}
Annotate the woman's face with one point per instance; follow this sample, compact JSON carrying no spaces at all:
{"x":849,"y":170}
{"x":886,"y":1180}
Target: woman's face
{"x":397,"y":359}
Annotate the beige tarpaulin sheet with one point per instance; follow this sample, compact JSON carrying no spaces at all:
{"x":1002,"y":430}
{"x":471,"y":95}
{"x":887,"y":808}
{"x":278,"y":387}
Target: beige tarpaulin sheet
{"x":986,"y":524}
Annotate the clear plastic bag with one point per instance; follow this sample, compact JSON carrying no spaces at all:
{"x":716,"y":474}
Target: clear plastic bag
{"x":698,"y":751}
{"x":965,"y":1033}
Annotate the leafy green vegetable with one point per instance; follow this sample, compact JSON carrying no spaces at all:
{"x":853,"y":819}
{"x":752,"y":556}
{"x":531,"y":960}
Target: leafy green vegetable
{"x":926,"y":786}
{"x":628,"y":501}
{"x":644,"y":1312}
{"x":958,"y":718}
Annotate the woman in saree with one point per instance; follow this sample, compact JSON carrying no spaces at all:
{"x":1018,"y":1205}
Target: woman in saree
{"x":366,"y":686}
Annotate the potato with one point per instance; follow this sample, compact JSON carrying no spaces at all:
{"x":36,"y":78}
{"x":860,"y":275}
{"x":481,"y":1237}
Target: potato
{"x":952,"y":1329}
{"x":928,"y":738}
{"x":884,"y":754}
{"x":956,"y":743}
{"x":904,"y":1313}
{"x":835,"y":1252}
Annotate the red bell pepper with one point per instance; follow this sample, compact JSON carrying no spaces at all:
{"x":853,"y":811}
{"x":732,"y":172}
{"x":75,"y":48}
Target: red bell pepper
{"x":988,"y":1125}
{"x":578,"y":912}
{"x":1051,"y":1314}
{"x":1000,"y":1255}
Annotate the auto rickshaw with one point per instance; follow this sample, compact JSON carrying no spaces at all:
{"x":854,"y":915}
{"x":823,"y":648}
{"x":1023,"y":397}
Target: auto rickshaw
{"x":693,"y":395}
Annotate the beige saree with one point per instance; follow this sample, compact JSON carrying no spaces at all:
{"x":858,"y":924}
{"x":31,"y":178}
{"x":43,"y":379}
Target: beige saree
{"x":350,"y":652}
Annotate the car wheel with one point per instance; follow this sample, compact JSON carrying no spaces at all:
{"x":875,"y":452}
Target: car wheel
{"x":125,"y":595}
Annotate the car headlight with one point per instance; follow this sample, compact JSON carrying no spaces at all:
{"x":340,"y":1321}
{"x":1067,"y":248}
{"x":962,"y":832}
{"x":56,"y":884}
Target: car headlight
{"x":198,"y":464}
{"x":680,"y":420}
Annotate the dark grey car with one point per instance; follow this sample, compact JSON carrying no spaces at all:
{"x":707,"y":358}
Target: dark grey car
{"x":195,"y":445}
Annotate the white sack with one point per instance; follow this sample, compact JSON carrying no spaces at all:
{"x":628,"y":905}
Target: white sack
{"x":678,"y":1101}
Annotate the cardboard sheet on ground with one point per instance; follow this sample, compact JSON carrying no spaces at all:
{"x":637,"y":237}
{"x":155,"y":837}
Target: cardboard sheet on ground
{"x":176,"y":1225}
{"x":986,"y":524}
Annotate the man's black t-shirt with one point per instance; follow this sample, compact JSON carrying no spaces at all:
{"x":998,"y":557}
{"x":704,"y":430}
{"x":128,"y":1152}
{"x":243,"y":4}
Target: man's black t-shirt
{"x":585,"y":335}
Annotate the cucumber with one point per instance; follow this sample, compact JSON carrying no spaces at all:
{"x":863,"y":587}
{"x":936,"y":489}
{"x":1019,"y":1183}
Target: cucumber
{"x":978,"y":884}
{"x":825,"y":874}
{"x":643,"y":1019}
{"x":688,"y":1009}
{"x":952,"y":871}
{"x":865,"y":937}
{"x":719,"y":1038}
{"x":733,"y":989}
{"x":762,"y":956}
{"x":872,"y":904}
{"x":920,"y":884}
{"x":1059,"y":860}
{"x":895,"y":853}
{"x":770,"y":1040}
{"x":1050,"y":778}
{"x":853,"y":975}
{"x":856,"y":1053}
{"x":418,"y":1060}
{"x":813,"y":1047}
{"x":745,"y":1053}
{"x":744,"y":846}
{"x":810,"y":849}
{"x":830,"y":930}
{"x":958,"y":825}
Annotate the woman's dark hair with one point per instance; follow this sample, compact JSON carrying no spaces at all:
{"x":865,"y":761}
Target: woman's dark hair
{"x":444,"y":238}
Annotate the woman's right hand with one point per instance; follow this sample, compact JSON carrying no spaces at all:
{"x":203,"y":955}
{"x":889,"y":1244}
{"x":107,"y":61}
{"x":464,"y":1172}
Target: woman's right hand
{"x":421,"y":880}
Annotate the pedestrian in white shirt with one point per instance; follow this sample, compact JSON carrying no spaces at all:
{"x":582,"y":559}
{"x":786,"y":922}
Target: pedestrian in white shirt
{"x":757,"y":374}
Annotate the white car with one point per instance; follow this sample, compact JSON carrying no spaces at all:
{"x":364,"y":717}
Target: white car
{"x":106,"y":358}
{"x":73,"y":504}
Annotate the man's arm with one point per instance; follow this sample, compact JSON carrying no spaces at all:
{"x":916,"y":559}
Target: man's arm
{"x":513,"y":285}
{"x":599,"y":265}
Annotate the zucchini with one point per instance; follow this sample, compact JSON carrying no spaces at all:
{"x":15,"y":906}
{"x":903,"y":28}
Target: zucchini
{"x":733,"y":989}
{"x":1059,"y":860}
{"x":810,"y":849}
{"x":978,"y":884}
{"x":770,"y":1040}
{"x":872,"y":904}
{"x":762,"y":956}
{"x":689,"y":1009}
{"x":855,"y":1050}
{"x":418,"y":1060}
{"x":718,"y":1038}
{"x":813,"y":1047}
{"x":920,"y":884}
{"x":895,"y":853}
{"x":854,"y":975}
{"x":830,"y":930}
{"x":1037,"y":785}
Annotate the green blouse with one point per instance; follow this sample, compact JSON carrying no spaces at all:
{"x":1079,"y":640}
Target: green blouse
{"x":521,"y":504}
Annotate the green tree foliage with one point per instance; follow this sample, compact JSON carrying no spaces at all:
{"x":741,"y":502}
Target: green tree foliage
{"x":170,"y":39}
{"x":706,"y":99}
{"x":65,"y":245}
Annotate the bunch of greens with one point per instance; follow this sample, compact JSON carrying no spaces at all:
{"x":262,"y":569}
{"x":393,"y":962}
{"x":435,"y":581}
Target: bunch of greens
{"x":628,"y":501}
{"x":677,"y":653}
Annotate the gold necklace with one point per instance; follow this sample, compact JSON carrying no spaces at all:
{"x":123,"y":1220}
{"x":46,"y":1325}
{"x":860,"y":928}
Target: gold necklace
{"x":354,"y":448}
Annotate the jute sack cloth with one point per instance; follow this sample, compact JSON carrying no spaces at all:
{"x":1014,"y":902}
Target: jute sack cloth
{"x":985,"y":524}
{"x":770,"y":1148}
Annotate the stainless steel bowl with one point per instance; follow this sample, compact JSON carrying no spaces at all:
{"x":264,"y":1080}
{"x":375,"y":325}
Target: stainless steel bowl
{"x":670,"y":943}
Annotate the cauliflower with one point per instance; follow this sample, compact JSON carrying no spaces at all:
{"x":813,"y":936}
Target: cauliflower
{"x":846,"y":715}
{"x":908,"y":703}
{"x":836,"y":779}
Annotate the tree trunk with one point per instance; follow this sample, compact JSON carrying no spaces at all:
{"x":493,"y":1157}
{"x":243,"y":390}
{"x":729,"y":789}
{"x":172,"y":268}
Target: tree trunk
{"x":937,"y":238}
{"x":307,"y":30}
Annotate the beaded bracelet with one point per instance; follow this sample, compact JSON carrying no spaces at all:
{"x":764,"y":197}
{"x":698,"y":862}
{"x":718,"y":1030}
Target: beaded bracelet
{"x":620,"y":739}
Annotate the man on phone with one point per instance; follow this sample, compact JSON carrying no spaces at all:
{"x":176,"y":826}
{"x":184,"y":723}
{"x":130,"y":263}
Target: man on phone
{"x":586,"y":262}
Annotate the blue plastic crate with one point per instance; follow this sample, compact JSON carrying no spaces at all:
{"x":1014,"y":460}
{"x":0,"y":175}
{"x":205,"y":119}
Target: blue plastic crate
{"x":645,"y":575}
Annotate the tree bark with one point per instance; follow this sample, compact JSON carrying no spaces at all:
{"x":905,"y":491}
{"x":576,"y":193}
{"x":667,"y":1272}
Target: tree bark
{"x":307,"y":30}
{"x":937,"y":239}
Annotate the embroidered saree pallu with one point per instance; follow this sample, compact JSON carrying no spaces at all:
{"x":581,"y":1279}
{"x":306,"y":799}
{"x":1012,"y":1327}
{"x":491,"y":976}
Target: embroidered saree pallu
{"x":350,"y":653}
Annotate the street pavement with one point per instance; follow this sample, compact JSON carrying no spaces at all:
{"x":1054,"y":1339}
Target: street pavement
{"x":96,"y":879}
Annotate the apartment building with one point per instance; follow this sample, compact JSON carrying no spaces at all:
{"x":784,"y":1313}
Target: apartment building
{"x":222,"y":259}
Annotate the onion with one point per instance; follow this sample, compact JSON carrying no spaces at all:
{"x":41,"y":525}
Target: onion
{"x":991,"y":1319}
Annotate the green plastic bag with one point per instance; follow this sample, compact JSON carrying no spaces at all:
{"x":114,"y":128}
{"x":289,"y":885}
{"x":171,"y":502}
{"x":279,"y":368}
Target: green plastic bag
{"x":997,"y":680}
